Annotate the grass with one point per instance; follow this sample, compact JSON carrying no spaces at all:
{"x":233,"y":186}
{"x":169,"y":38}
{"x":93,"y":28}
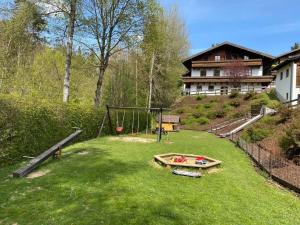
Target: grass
{"x":117,"y":183}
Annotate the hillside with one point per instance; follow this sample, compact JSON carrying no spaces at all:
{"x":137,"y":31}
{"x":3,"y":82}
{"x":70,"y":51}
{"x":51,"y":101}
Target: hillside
{"x":201,"y":112}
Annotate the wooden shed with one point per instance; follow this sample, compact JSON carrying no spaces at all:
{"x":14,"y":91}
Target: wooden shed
{"x":169,"y":122}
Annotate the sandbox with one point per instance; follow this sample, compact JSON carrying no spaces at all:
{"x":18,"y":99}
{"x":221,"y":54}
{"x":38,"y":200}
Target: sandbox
{"x":169,"y":159}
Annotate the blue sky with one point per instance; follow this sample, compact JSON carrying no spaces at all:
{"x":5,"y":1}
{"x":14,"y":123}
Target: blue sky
{"x":271,"y":26}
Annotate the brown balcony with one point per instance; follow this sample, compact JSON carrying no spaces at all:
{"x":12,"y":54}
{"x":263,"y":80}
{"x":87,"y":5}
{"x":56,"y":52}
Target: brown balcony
{"x":223,"y":63}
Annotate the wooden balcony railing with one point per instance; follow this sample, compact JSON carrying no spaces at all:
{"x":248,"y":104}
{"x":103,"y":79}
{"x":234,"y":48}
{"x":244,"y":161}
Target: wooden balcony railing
{"x":222,"y":63}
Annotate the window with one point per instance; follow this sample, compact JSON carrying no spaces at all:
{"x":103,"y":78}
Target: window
{"x":216,"y":73}
{"x":287,"y":96}
{"x":281,"y":75}
{"x":188,"y":86}
{"x":246,"y":57}
{"x":211,"y":87}
{"x":203,"y":73}
{"x":217,"y":58}
{"x":199,"y":88}
{"x":287,"y":73}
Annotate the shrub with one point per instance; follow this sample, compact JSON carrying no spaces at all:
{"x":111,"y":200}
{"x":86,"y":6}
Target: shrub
{"x":285,"y":113}
{"x":207,"y":105}
{"x":200,"y":97}
{"x":219,"y":113}
{"x":272,"y":94}
{"x":234,"y":94}
{"x":31,"y":127}
{"x":179,"y":111}
{"x":235,"y":103}
{"x":290,"y":142}
{"x":197,"y":115}
{"x":257,"y":134}
{"x":203,"y":120}
{"x":250,"y":95}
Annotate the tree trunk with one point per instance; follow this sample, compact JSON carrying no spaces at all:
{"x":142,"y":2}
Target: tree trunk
{"x":136,"y":83}
{"x":100,"y":71}
{"x":151,"y":80}
{"x":70,"y":34}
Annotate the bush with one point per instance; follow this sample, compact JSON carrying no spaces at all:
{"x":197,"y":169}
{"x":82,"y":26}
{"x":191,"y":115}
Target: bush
{"x":257,"y":134}
{"x":203,"y":120}
{"x":208,"y":105}
{"x":200,"y":97}
{"x":234,"y":94}
{"x":235,"y":103}
{"x":285,"y":113}
{"x":219,"y":113}
{"x":250,"y":95}
{"x":31,"y":127}
{"x":290,"y":142}
{"x":272,"y":94}
{"x":179,"y":111}
{"x":196,"y":115}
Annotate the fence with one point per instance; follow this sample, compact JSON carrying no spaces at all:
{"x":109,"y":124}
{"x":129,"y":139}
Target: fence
{"x":293,"y":103}
{"x":279,"y":169}
{"x":224,"y":91}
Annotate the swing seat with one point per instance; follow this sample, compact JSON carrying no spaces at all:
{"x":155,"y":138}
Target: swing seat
{"x":119,"y":129}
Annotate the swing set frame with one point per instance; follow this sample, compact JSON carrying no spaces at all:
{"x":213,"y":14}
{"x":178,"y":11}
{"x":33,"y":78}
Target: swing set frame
{"x":108,"y":115}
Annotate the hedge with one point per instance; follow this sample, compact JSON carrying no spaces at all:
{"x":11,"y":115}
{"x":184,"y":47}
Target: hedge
{"x":29,"y":127}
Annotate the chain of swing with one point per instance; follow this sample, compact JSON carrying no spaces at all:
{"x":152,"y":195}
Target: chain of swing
{"x":120,"y":126}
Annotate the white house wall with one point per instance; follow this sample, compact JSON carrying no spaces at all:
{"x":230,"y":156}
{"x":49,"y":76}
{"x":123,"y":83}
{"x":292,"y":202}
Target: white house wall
{"x":283,"y":87}
{"x":255,"y":71}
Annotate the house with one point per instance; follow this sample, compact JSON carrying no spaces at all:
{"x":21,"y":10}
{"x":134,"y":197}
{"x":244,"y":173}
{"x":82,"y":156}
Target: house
{"x":281,"y":58}
{"x":226,"y":67}
{"x":169,"y":122}
{"x":288,"y":77}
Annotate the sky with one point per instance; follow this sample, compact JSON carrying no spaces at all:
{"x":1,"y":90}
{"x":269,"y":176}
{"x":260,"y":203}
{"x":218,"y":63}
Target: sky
{"x":270,"y":26}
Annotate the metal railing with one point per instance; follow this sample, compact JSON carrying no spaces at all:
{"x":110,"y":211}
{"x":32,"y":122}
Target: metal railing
{"x":224,"y":91}
{"x":277,"y":167}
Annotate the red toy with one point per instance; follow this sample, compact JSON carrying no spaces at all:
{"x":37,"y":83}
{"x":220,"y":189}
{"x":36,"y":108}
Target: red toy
{"x":119,"y":130}
{"x":200,"y":158}
{"x":180,"y":159}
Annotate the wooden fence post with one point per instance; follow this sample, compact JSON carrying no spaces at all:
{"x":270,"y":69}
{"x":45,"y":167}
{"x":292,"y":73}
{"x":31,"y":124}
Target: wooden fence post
{"x":270,"y":164}
{"x":258,"y":154}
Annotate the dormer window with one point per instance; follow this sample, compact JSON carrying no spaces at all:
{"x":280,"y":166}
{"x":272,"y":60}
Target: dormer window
{"x":246,"y":57}
{"x":217,"y":58}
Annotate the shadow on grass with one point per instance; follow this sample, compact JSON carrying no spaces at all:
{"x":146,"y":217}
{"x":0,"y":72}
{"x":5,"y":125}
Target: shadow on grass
{"x":83,"y":189}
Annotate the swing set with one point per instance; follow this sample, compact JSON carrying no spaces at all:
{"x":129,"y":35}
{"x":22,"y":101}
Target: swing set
{"x":136,"y":126}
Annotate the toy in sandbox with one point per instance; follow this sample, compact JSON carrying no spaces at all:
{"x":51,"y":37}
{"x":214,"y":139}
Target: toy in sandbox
{"x":186,"y":160}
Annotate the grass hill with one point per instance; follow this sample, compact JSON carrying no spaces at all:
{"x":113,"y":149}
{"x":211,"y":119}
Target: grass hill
{"x":200,"y":112}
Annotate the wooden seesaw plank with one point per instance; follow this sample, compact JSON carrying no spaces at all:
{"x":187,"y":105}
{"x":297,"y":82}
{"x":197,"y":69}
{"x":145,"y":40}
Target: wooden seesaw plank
{"x":44,"y":156}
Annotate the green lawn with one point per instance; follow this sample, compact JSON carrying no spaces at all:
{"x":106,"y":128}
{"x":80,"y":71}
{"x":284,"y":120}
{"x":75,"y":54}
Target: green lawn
{"x":113,"y":182}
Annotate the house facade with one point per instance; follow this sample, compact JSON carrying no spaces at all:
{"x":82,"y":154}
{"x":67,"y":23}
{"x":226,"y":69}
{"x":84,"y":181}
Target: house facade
{"x":288,"y":78}
{"x":226,"y":67}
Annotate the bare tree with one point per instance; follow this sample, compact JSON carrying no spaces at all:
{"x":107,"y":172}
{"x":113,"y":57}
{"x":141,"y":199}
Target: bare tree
{"x":70,"y":34}
{"x":66,"y":11}
{"x":236,"y":70}
{"x":110,"y":26}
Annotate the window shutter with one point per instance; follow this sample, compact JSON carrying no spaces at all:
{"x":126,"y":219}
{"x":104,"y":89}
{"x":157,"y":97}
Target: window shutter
{"x":298,"y":76}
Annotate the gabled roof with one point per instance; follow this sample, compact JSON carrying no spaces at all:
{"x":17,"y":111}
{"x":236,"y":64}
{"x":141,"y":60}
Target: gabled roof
{"x":231,"y":44}
{"x":285,"y":62}
{"x":169,"y":119}
{"x":288,"y":53}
